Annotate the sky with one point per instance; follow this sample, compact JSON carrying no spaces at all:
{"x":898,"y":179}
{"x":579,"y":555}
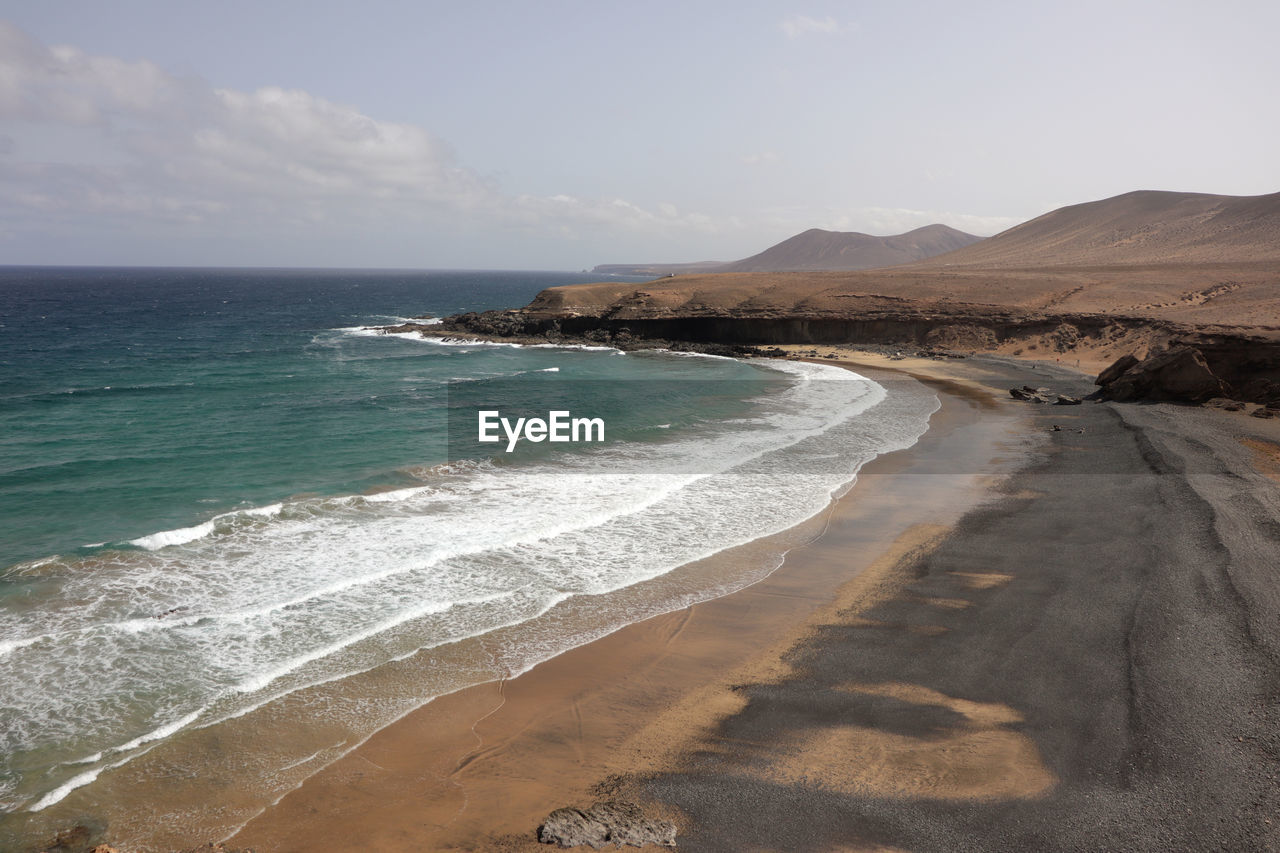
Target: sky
{"x":560,"y":134}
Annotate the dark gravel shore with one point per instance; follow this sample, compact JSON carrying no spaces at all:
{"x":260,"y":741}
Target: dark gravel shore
{"x":1109,"y":629}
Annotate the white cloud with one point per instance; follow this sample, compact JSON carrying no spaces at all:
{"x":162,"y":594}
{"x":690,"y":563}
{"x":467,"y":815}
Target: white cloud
{"x":100,"y":148}
{"x":183,"y":145}
{"x":803,"y":25}
{"x":63,"y":84}
{"x":137,"y":143}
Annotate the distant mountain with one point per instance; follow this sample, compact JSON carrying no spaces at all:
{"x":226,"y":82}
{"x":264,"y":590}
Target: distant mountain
{"x":816,"y":249}
{"x":1143,"y":227}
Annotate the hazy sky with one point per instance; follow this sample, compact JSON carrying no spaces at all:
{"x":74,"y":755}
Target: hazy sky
{"x":560,"y":135}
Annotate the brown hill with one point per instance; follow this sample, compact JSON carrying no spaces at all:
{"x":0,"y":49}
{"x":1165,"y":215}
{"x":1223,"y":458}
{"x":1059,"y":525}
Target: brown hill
{"x":816,"y":249}
{"x":1144,"y":227}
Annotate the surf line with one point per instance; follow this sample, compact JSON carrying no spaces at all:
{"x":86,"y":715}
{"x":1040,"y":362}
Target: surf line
{"x":558,"y":426}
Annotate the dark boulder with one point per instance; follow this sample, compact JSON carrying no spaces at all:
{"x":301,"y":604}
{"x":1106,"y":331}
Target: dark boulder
{"x":1178,"y":374}
{"x":1118,"y":367}
{"x":1042,"y":395}
{"x":1261,"y":390}
{"x":1033,"y":395}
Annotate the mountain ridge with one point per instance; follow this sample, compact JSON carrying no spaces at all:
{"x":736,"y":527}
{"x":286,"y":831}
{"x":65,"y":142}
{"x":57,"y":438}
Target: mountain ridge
{"x":820,"y":250}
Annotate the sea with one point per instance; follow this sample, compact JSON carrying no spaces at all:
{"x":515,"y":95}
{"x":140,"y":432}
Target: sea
{"x":242,"y":529}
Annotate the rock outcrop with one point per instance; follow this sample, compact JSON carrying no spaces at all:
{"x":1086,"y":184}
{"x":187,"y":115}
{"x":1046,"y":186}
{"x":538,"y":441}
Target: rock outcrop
{"x":520,"y":327}
{"x":1043,"y":395}
{"x":76,"y":839}
{"x":605,"y":823}
{"x":1179,"y":374}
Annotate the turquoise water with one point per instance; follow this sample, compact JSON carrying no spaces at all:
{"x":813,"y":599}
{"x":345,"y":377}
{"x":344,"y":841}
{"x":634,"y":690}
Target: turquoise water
{"x":220,"y":489}
{"x":134,"y":401}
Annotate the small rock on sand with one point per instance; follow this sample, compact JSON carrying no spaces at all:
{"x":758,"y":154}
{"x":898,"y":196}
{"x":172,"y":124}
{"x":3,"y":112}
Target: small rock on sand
{"x":605,"y":823}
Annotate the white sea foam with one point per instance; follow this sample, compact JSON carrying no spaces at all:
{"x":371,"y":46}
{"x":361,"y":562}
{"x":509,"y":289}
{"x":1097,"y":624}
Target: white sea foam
{"x":160,"y":732}
{"x":583,"y":347}
{"x":59,"y":793}
{"x":492,"y":375}
{"x":687,"y":354}
{"x":269,"y":511}
{"x":35,"y":565}
{"x":262,"y":679}
{"x":7,"y":646}
{"x":180,"y":536}
{"x":463,"y":340}
{"x":313,"y":756}
{"x":183,"y":535}
{"x":394,"y":495}
{"x":441,"y":341}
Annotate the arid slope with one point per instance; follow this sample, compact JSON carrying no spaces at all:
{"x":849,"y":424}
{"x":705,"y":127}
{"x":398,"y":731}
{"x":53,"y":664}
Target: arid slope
{"x":816,"y":249}
{"x":1144,"y":227}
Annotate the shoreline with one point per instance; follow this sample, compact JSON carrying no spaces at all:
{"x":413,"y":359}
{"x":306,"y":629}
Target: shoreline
{"x":574,"y":716}
{"x":272,"y":730}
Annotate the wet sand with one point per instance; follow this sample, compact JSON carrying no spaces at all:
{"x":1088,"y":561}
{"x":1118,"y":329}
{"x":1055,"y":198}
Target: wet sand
{"x":1077,"y":655}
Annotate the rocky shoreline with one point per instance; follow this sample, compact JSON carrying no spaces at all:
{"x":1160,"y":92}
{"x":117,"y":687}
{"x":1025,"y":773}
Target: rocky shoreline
{"x":1235,"y":369}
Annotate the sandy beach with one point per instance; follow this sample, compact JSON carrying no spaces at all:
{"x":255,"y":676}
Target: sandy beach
{"x":1007,"y":637}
